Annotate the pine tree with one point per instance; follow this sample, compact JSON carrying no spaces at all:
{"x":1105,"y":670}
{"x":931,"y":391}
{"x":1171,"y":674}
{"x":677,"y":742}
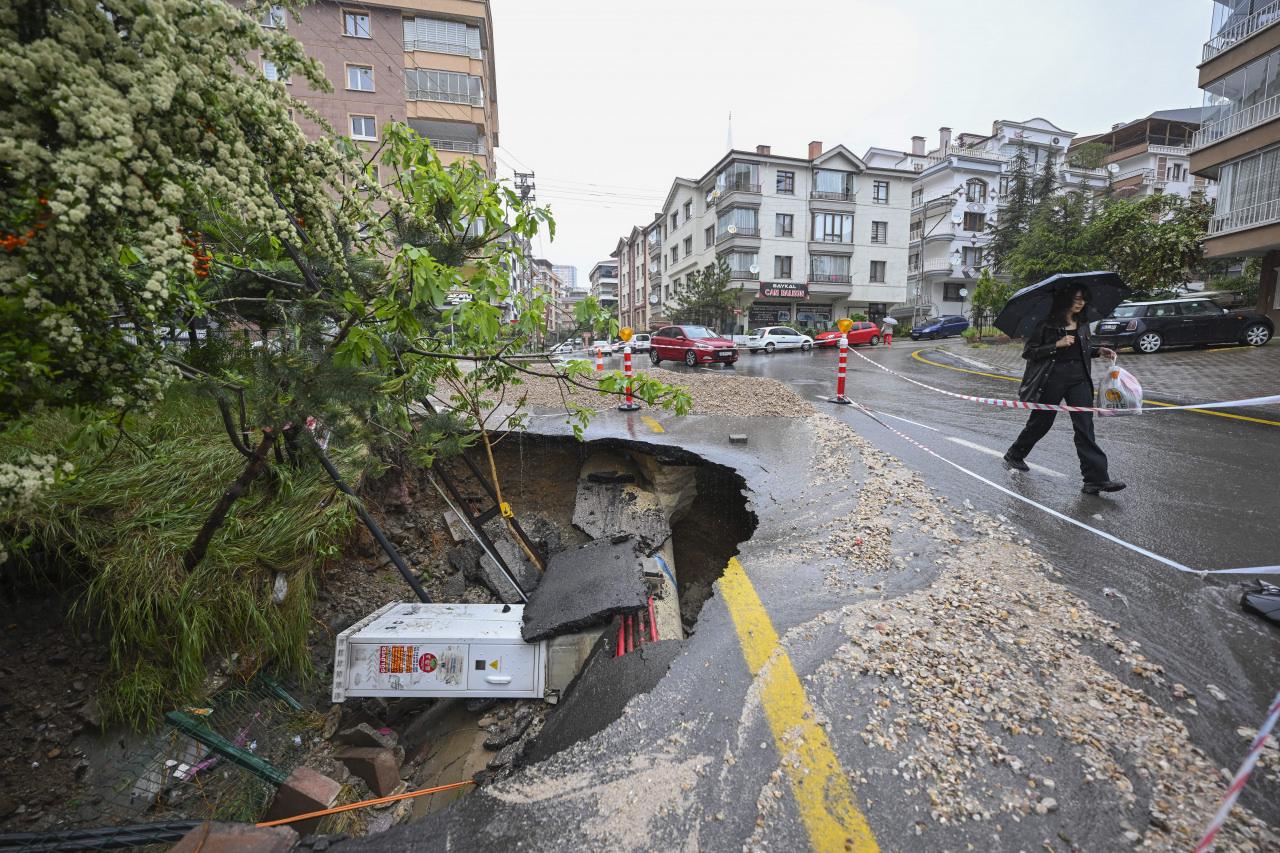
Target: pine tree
{"x":1015,"y":217}
{"x":1046,"y":182}
{"x":707,"y":297}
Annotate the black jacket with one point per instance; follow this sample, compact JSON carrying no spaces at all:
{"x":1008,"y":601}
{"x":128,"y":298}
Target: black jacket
{"x":1039,"y":351}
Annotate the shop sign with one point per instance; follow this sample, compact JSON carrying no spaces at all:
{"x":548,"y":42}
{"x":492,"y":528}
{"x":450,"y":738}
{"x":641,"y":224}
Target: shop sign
{"x":784,"y":291}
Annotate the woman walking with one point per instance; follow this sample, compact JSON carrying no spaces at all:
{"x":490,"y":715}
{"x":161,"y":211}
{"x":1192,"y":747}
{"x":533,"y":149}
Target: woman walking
{"x":1058,"y":354}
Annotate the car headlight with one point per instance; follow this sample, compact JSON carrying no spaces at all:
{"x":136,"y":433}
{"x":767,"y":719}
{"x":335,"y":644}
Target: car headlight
{"x":1131,"y":326}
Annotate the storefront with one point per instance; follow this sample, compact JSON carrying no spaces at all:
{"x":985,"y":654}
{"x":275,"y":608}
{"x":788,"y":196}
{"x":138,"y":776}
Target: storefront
{"x":788,"y":305}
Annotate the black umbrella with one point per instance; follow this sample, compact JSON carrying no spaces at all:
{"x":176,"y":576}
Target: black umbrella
{"x":1029,"y":307}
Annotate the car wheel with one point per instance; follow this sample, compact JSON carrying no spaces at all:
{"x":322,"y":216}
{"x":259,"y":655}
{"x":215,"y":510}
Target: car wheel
{"x":1257,"y":335}
{"x":935,"y":336}
{"x":690,"y":358}
{"x":805,"y":347}
{"x":754,"y":351}
{"x":1148,"y":342}
{"x":769,"y":348}
{"x":654,"y":357}
{"x":875,"y":340}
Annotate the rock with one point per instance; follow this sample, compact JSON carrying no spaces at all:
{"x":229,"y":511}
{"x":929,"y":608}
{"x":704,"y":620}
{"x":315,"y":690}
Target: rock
{"x":1216,"y":692}
{"x":737,"y":438}
{"x":331,"y":722}
{"x":378,"y":767}
{"x":516,"y":561}
{"x":511,"y":734}
{"x":464,"y":558}
{"x":457,"y":530}
{"x":454,"y":587}
{"x":306,"y":790}
{"x":365,"y":735}
{"x":506,"y":756}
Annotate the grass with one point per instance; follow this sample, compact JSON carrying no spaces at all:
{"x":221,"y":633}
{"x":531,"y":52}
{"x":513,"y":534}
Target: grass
{"x":118,"y":531}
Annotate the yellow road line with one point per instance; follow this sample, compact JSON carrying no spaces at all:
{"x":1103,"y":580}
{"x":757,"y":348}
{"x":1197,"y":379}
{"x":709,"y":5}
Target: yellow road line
{"x":652,"y":424}
{"x":918,"y":357}
{"x":826,"y":801}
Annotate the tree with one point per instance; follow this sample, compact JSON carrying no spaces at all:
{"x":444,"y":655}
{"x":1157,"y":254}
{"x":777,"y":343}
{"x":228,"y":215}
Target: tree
{"x":989,"y":297}
{"x":1045,"y":183}
{"x":1087,"y":156}
{"x":1016,"y":215}
{"x":707,"y":298}
{"x":1059,"y":240}
{"x":1154,"y":242}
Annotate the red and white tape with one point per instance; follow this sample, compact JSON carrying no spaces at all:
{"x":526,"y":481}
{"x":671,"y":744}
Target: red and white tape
{"x":1047,"y":407}
{"x":1242,"y":776}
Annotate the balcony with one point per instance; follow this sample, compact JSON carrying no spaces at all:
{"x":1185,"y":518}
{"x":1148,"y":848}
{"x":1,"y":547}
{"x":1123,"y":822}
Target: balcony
{"x":1171,"y":150}
{"x":743,"y":275}
{"x":739,"y":231}
{"x":443,"y":97}
{"x":443,"y":47}
{"x":827,"y":195}
{"x":1229,"y":37}
{"x":462,"y":146}
{"x":933,"y":203}
{"x":655,"y":246}
{"x":829,"y":278}
{"x":1266,"y":213}
{"x":1244,"y":118}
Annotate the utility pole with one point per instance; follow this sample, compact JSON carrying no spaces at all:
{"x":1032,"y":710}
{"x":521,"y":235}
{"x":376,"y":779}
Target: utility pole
{"x":525,"y":186}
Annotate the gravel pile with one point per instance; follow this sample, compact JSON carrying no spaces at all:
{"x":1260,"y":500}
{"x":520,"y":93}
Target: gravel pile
{"x":714,"y":392}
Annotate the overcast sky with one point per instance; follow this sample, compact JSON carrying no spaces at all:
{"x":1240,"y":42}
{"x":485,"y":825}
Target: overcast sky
{"x":607,"y":100}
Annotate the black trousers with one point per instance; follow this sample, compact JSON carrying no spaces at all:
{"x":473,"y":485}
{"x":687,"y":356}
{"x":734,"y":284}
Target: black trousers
{"x":1067,"y":382}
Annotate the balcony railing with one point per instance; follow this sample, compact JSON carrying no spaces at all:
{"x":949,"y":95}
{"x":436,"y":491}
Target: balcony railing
{"x":443,"y":47}
{"x":829,"y":278}
{"x":462,"y":146}
{"x":738,"y":187}
{"x":1266,"y":213}
{"x":743,"y":275}
{"x":1238,"y":32}
{"x":655,"y":246}
{"x":827,"y":195}
{"x":829,"y":238}
{"x":1174,"y":150}
{"x":740,"y":232}
{"x":1241,"y":120}
{"x":444,"y":97}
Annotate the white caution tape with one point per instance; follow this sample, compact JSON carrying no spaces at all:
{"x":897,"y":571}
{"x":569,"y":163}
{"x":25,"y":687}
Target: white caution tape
{"x":1242,"y":776}
{"x":1047,"y":407}
{"x":1138,"y":549}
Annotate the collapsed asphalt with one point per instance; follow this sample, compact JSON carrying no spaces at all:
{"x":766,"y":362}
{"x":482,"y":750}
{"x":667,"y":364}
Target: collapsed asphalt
{"x":693,"y":764}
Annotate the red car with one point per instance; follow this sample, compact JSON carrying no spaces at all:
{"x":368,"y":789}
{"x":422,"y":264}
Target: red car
{"x":693,"y":345}
{"x":861,"y":333}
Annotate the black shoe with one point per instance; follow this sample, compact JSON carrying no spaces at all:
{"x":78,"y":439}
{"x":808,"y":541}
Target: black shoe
{"x":1107,"y":486}
{"x":1015,"y":464}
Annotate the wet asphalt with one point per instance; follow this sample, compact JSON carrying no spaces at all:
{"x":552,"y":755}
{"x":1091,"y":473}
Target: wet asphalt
{"x":692,"y":765}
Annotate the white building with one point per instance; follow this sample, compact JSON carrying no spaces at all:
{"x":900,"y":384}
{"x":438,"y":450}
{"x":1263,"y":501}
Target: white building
{"x":1152,"y":155}
{"x":959,"y":190}
{"x":604,"y":283}
{"x":808,"y":240}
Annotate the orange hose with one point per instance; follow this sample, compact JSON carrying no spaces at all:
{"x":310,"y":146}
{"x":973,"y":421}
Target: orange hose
{"x":362,"y":804}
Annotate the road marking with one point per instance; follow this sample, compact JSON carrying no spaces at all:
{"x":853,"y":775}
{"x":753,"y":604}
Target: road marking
{"x":826,"y":801}
{"x":918,"y":357}
{"x":652,"y":424}
{"x":987,"y":450}
{"x":905,"y":421}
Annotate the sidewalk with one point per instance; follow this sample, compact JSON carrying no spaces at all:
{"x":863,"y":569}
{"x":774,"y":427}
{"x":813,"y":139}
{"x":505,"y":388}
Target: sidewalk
{"x":1180,"y":376}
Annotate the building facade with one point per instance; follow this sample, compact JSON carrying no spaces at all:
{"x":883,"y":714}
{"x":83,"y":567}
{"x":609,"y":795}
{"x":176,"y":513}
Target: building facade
{"x":959,"y":191}
{"x":807,"y":240}
{"x":1152,"y":155}
{"x":568,"y":275}
{"x":604,"y":283}
{"x":425,"y":62}
{"x":1238,"y":143}
{"x":632,"y":255}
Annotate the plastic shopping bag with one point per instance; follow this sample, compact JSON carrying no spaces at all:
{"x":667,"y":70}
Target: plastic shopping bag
{"x":1119,"y":390}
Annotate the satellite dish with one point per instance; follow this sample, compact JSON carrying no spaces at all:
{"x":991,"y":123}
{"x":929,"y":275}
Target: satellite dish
{"x":732,"y":229}
{"x":715,"y":193}
{"x":754,"y":269}
{"x":653,"y":299}
{"x":1113,"y":167}
{"x":957,"y":217}
{"x":964,"y":291}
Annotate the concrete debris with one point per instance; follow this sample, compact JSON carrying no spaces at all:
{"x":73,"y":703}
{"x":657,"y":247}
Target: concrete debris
{"x":464,"y":558}
{"x":378,"y":767}
{"x":608,"y":504}
{"x":365,"y":735}
{"x":674,"y":485}
{"x":737,"y":438}
{"x":305,"y":791}
{"x":236,"y":838}
{"x":585,"y":586}
{"x":457,"y":530}
{"x":515,"y":728}
{"x":489,"y":574}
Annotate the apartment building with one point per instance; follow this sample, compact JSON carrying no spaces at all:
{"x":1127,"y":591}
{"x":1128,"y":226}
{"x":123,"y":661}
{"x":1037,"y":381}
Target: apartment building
{"x":568,"y":274}
{"x":1238,"y":143}
{"x":1151,"y":155}
{"x":959,"y":190}
{"x":807,"y":239}
{"x":632,"y":255}
{"x":426,"y":62}
{"x":604,"y":283}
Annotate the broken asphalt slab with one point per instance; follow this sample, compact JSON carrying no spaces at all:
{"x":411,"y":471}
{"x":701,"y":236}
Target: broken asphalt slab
{"x":492,"y":576}
{"x":586,"y":586}
{"x":611,"y":501}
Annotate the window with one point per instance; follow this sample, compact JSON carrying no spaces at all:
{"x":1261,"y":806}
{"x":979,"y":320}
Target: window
{"x":709,"y":236}
{"x":917,"y":197}
{"x":971,"y":256}
{"x":917,"y":231}
{"x":951,"y":292}
{"x":675,"y":254}
{"x":688,"y":246}
{"x":355,"y":24}
{"x":830,"y":268}
{"x":879,"y":232}
{"x":786,"y":182}
{"x":975,"y":221}
{"x":785,"y":225}
{"x":740,"y":264}
{"x":450,"y":87}
{"x":1200,"y":308}
{"x":833,"y":227}
{"x":360,"y":78}
{"x":743,"y":177}
{"x":742,"y":219}
{"x":1004,"y":185}
{"x":274,"y":73}
{"x":975,"y":190}
{"x":442,"y":36}
{"x":913,"y":263}
{"x":877,"y":272}
{"x":675,"y":220}
{"x":273,"y":17}
{"x":364,"y":127}
{"x":880,"y":192}
{"x":688,"y":211}
{"x":782,"y":266}
{"x":832,"y":185}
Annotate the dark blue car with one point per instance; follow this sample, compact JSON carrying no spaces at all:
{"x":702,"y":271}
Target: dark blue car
{"x":940,"y":327}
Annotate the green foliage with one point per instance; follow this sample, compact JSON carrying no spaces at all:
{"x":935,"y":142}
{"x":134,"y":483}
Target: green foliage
{"x":859,"y":317}
{"x":990,"y":294}
{"x":120,"y":526}
{"x":1046,"y":182}
{"x":1058,"y":241}
{"x":1152,"y":242}
{"x":593,"y":317}
{"x":1015,"y":216}
{"x":1087,"y":156}
{"x":707,"y":299}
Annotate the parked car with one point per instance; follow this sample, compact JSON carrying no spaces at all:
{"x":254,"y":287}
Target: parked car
{"x":693,"y":345}
{"x":772,"y":338}
{"x":566,"y":347}
{"x":862,"y":333}
{"x":640,"y":342}
{"x":940,"y":327}
{"x":1151,"y":326}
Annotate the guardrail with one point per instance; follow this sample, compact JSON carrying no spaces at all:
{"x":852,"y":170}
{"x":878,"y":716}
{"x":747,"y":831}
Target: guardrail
{"x":1238,"y":122}
{"x":1236,"y":33}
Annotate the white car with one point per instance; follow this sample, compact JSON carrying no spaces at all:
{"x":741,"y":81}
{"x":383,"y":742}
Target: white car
{"x":639,"y":343}
{"x":566,"y":347}
{"x":772,"y":338}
